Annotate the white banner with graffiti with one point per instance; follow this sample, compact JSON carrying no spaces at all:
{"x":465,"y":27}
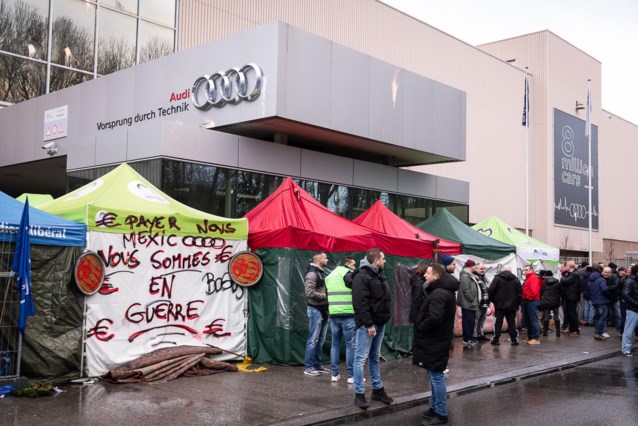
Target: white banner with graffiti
{"x":162,"y":291}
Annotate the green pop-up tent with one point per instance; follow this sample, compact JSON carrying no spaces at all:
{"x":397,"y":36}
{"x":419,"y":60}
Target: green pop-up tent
{"x":526,"y":247}
{"x":35,"y":200}
{"x":445,"y":225}
{"x":166,"y":271}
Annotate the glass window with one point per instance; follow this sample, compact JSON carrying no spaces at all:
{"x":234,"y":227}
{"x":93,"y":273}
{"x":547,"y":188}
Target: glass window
{"x":202,"y":187}
{"x":116,"y":42}
{"x":362,"y":199}
{"x":160,"y":11}
{"x":129,"y":6}
{"x":21,"y":79}
{"x":73,"y":34}
{"x":62,"y":78}
{"x":24,"y":27}
{"x":252,"y":189}
{"x":155,"y":41}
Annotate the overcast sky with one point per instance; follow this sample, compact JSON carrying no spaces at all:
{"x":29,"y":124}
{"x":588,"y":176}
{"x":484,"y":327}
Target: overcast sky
{"x":605,"y":29}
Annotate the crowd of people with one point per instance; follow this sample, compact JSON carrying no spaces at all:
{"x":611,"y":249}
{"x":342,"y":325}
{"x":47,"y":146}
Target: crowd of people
{"x":357,"y":305}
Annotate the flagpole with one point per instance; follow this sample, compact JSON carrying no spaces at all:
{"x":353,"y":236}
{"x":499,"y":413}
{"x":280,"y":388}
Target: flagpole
{"x":526,"y":106}
{"x":591,"y":169}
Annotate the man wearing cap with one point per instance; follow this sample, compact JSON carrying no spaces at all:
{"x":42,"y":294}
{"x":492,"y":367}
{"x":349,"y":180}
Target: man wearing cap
{"x":449,"y":263}
{"x":531,"y":300}
{"x":468,"y":299}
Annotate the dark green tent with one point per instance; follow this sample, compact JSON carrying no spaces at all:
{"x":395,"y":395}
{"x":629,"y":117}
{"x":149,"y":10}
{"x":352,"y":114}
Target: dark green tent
{"x":445,"y":225}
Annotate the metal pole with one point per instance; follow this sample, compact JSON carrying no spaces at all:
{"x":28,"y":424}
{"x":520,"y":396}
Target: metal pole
{"x":591,"y":169}
{"x":526,"y":154}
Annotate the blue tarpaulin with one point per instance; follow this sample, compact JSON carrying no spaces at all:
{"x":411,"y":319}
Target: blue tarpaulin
{"x":45,"y":229}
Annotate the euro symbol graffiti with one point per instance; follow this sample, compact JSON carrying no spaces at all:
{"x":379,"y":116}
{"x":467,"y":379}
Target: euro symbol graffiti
{"x":107,"y":220}
{"x":101,"y":331}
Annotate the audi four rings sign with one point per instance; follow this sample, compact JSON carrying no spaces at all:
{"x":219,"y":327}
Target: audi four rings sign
{"x":232,"y":87}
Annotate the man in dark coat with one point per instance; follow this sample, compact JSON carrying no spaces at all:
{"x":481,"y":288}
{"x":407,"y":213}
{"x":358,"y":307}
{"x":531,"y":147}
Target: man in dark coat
{"x":506,"y":294}
{"x":551,"y":300}
{"x":433,"y":336}
{"x":572,"y":288}
{"x":371,"y":300}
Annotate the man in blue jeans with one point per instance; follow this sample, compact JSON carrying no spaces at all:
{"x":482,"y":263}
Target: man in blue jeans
{"x":371,"y":300}
{"x":630,"y":296}
{"x":339,"y":286}
{"x":531,"y":300}
{"x":434,"y":329}
{"x":317,"y":310}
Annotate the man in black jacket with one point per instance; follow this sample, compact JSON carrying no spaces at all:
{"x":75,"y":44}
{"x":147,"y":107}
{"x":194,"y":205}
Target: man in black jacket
{"x":371,"y":301}
{"x":572,"y":287}
{"x":506,"y":293}
{"x":630,"y":296}
{"x":433,"y":336}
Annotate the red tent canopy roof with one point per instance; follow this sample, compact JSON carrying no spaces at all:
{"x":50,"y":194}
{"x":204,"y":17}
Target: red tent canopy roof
{"x":292,"y":218}
{"x":380,"y":218}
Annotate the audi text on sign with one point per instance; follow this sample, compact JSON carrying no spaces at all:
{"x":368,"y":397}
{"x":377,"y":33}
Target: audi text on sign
{"x":227,"y":87}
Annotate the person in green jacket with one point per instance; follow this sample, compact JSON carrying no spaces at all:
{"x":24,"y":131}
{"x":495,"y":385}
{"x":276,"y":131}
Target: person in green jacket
{"x":339,"y":286}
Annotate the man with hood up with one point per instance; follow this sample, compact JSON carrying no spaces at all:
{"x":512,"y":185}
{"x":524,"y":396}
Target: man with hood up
{"x":506,"y":295}
{"x":433,"y":336}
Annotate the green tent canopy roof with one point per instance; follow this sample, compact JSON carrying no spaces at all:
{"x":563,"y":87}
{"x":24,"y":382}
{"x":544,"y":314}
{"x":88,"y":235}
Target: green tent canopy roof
{"x":122,"y":201}
{"x":35,"y":200}
{"x":526,"y":247}
{"x":444,"y":224}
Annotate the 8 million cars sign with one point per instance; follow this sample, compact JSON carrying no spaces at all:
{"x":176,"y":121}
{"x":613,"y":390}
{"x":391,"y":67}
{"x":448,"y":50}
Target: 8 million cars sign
{"x":571,"y":172}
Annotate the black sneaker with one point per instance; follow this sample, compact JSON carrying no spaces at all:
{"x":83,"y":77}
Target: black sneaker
{"x":436,"y":420}
{"x":429,"y":414}
{"x":495,"y":342}
{"x":361,"y":401}
{"x":515,"y":342}
{"x":380,"y":395}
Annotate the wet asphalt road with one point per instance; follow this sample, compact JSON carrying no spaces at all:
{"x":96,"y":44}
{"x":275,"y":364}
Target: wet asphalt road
{"x":600,"y":393}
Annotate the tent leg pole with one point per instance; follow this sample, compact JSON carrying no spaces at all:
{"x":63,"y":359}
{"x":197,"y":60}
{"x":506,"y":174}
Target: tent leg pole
{"x":82,"y":350}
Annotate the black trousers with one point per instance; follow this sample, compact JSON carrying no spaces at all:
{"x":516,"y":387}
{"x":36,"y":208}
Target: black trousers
{"x":572,"y":315}
{"x":510,"y":316}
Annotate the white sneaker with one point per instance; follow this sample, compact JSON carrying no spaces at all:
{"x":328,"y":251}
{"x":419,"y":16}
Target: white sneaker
{"x":351,"y":380}
{"x":606,"y":335}
{"x":336,"y":378}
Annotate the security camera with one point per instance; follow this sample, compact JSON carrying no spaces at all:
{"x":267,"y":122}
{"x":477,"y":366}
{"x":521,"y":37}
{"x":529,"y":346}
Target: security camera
{"x":51,"y":148}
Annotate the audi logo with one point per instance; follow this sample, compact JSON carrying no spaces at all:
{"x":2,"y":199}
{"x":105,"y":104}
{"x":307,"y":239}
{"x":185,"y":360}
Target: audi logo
{"x":227,"y":87}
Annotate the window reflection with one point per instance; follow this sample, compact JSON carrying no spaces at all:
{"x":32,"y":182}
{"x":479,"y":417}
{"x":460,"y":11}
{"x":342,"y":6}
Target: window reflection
{"x":116,"y":47}
{"x":160,"y":11}
{"x":62,"y":78}
{"x":155,"y":41}
{"x":129,"y":6}
{"x":24,"y":27}
{"x":73,"y":34}
{"x":233,"y":193}
{"x":21,"y":79}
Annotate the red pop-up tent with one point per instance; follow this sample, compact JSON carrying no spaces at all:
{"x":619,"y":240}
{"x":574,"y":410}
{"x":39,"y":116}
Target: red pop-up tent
{"x":379,"y":217}
{"x":284,"y":230}
{"x":292,"y":218}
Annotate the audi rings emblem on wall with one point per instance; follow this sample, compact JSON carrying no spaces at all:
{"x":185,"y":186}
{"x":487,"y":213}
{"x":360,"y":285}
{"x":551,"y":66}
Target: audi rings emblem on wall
{"x":227,"y":87}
